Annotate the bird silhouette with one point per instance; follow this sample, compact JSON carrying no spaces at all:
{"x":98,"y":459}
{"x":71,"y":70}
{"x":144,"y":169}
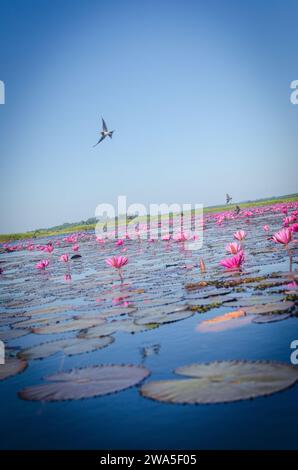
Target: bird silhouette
{"x":104,"y":132}
{"x":228,"y":198}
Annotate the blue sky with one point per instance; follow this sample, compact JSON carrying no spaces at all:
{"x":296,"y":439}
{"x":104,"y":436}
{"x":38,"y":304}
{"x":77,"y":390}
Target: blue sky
{"x":197,"y":92}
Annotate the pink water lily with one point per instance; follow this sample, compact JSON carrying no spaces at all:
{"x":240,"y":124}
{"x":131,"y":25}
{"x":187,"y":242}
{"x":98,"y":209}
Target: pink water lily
{"x":64,"y":258}
{"x":240,"y":235}
{"x":266,"y":228}
{"x":42,"y":264}
{"x":233,"y":248}
{"x":233,"y":263}
{"x":294,"y":227}
{"x":75,"y":248}
{"x":117,"y":262}
{"x":283,"y":236}
{"x":119,"y":242}
{"x":49,"y":248}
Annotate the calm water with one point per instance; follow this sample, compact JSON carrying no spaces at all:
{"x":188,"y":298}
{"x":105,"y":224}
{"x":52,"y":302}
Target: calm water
{"x":125,"y":419}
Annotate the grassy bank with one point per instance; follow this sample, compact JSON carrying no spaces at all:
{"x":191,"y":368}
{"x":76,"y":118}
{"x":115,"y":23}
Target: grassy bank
{"x":86,"y":227}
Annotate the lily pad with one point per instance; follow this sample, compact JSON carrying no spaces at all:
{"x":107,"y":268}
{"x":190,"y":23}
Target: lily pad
{"x":252,"y":300}
{"x":12,"y":367}
{"x":69,"y":347}
{"x":79,"y":323}
{"x":47,"y":320}
{"x":53,"y":309}
{"x":9,"y":319}
{"x":127,"y":326}
{"x":92,"y":381}
{"x":223,"y":382}
{"x":276,"y":307}
{"x":167,"y":314}
{"x":7,"y":335}
{"x":270,"y":318}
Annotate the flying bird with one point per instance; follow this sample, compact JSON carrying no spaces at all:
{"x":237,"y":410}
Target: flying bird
{"x":104,"y":132}
{"x":228,"y":198}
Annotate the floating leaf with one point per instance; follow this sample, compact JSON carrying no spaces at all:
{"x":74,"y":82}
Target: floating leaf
{"x":252,"y":300}
{"x":270,"y":318}
{"x":87,"y":382}
{"x":7,"y":335}
{"x":47,"y":320}
{"x":69,"y":347}
{"x":166,"y":314}
{"x":79,"y":323}
{"x":127,"y":326}
{"x":277,"y":307}
{"x":12,"y":367}
{"x":54,"y":309}
{"x":9,"y":319}
{"x":221,"y":382}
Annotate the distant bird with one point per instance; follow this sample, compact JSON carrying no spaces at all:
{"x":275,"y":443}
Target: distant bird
{"x":228,"y":198}
{"x":104,"y":133}
{"x":237,"y":210}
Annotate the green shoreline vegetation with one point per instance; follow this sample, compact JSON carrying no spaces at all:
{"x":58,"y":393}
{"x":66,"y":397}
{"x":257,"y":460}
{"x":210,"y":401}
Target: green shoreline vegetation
{"x":83,"y":227}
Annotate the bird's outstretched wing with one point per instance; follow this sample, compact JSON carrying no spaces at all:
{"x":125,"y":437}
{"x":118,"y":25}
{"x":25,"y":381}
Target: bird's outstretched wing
{"x":104,"y":126}
{"x":100,"y":140}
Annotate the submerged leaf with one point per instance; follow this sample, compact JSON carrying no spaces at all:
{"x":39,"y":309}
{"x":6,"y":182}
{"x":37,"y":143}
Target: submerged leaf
{"x":92,"y":381}
{"x":221,"y":382}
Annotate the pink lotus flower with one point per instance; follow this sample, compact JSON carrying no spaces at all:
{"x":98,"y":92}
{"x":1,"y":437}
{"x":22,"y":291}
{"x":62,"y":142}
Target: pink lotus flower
{"x":119,"y":242}
{"x":240,"y":235}
{"x":266,"y":228}
{"x":64,"y":258}
{"x":233,"y":248}
{"x":117,"y":262}
{"x":67,"y":277}
{"x":284,"y":236}
{"x":42,"y":264}
{"x":289,"y":220}
{"x":49,"y":248}
{"x":75,"y":247}
{"x":294,"y":228}
{"x":233,"y":263}
{"x":292,"y":285}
